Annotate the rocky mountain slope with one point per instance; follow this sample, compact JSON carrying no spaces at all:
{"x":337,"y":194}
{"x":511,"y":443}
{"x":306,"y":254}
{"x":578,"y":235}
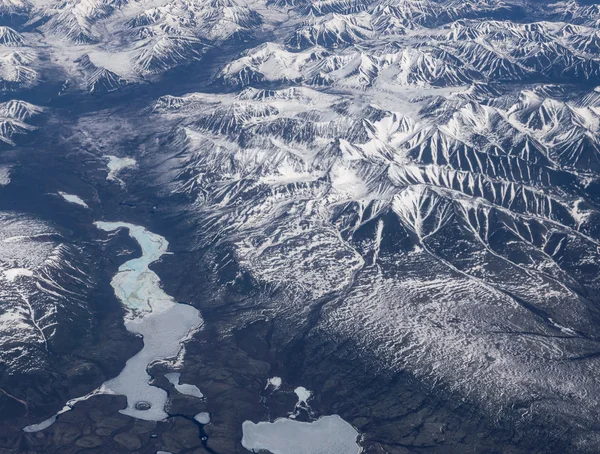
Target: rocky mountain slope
{"x":412,"y":185}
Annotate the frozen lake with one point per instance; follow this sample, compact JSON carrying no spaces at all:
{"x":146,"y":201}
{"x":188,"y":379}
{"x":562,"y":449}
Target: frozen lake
{"x":163,"y":324}
{"x":327,"y":435}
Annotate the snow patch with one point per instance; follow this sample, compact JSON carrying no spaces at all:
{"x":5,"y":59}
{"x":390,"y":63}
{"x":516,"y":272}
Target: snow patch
{"x":203,"y":418}
{"x":188,"y":390}
{"x":13,"y":273}
{"x":41,"y":426}
{"x":303,"y":395}
{"x":116,"y":164}
{"x":73,"y":199}
{"x":275,"y":382}
{"x":564,"y":329}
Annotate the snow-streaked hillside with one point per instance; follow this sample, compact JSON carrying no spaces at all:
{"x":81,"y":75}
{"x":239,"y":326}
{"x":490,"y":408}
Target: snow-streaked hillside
{"x":412,"y":185}
{"x":429,"y":175}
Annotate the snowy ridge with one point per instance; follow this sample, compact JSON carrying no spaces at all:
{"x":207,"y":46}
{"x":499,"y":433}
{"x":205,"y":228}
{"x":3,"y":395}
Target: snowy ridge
{"x":334,"y":31}
{"x":75,"y":19}
{"x":470,"y":204}
{"x":135,"y":40}
{"x":395,"y":43}
{"x":15,"y":9}
{"x":13,"y":119}
{"x":16,"y":70}
{"x":97,"y":79}
{"x":44,"y":284}
{"x":9,"y":37}
{"x":218,"y":20}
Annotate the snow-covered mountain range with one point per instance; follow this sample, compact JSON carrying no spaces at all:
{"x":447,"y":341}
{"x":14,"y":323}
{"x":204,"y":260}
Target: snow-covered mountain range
{"x":411,"y":184}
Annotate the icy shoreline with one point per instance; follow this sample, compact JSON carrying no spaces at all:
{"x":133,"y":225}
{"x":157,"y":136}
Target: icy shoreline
{"x":162,"y":322}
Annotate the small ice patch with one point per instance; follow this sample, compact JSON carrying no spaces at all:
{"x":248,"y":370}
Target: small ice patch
{"x":188,"y":390}
{"x":203,"y":418}
{"x":73,"y":199}
{"x":116,"y":164}
{"x":41,"y":426}
{"x":327,"y":435}
{"x":564,"y":329}
{"x":13,"y":273}
{"x":275,"y":382}
{"x":303,"y":395}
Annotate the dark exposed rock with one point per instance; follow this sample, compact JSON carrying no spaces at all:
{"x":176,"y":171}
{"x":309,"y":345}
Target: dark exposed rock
{"x":130,"y":441}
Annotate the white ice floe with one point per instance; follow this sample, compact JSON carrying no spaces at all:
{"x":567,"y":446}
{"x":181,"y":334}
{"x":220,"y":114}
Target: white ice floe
{"x":303,"y":395}
{"x":13,"y":273}
{"x":327,"y":435}
{"x":116,"y":164}
{"x":151,"y":313}
{"x":182,"y":388}
{"x":275,"y":382}
{"x":73,"y":199}
{"x":203,"y":418}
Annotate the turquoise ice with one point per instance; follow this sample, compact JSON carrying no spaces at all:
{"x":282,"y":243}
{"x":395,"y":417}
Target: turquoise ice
{"x":163,"y":324}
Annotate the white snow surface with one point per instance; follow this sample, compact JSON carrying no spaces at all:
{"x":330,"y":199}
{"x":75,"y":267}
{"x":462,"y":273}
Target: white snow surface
{"x":188,"y":390}
{"x":303,"y":395}
{"x":328,"y":435}
{"x":116,"y":164}
{"x":4,"y":176}
{"x":203,"y":418}
{"x":13,"y":273}
{"x":71,"y":198}
{"x":275,"y":382}
{"x":41,"y":426}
